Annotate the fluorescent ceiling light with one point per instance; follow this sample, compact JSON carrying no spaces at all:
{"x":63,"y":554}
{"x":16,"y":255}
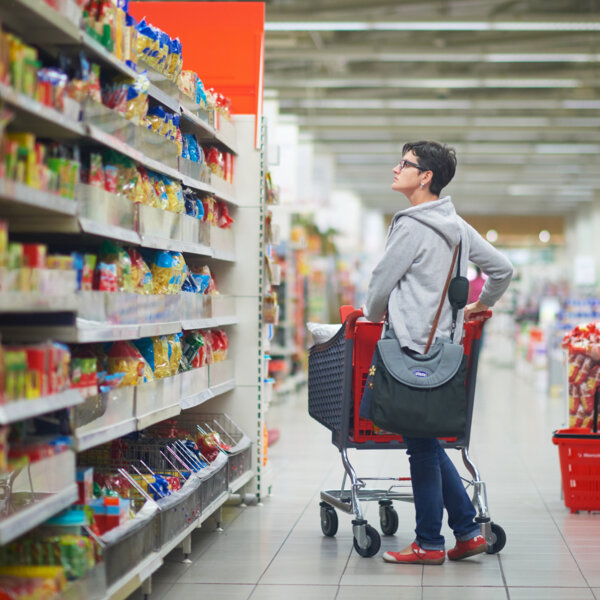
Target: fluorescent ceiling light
{"x":331,"y":122}
{"x":432,"y":26}
{"x":428,"y":104}
{"x":348,"y":54}
{"x":545,"y":58}
{"x":567,"y":149}
{"x":428,"y":83}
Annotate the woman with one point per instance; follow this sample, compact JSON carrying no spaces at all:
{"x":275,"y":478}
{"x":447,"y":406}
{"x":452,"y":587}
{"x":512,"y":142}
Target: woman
{"x":407,"y":284}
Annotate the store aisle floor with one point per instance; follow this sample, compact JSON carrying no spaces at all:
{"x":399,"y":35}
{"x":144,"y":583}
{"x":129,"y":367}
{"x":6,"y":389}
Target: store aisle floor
{"x":277,"y":551}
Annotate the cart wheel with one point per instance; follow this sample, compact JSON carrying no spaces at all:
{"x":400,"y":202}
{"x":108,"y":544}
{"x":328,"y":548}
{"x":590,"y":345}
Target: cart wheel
{"x":388,"y":518}
{"x":373,"y":543}
{"x":499,"y":538}
{"x":329,"y":521}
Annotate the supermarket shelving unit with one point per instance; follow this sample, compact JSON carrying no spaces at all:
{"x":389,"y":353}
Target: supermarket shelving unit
{"x":234,"y":386}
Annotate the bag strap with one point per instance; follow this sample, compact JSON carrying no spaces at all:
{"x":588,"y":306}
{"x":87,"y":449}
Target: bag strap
{"x":444,"y":293}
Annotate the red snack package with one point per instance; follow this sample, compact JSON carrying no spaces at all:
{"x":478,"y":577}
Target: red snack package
{"x":207,"y":446}
{"x":224,"y":220}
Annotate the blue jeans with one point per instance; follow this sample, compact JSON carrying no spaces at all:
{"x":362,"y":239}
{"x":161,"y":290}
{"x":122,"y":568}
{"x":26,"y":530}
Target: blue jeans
{"x":437,"y":484}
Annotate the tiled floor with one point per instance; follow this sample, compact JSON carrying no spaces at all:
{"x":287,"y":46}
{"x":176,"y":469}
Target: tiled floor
{"x":277,"y":550}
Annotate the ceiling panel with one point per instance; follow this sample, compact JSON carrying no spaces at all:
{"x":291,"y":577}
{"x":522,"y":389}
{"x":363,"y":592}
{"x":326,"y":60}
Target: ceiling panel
{"x":514,"y":86}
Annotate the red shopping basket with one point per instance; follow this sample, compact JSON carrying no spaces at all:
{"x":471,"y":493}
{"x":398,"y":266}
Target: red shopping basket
{"x":366,"y":336}
{"x":579,"y":454}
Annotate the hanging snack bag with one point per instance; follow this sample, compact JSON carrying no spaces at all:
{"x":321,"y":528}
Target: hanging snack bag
{"x":211,"y":287}
{"x":96,"y":174}
{"x":192,"y":345}
{"x":208,"y":205}
{"x":215,"y":161}
{"x":106,"y":279}
{"x":191,"y":203}
{"x":156,"y":353}
{"x":111,"y":253}
{"x":220,"y":344}
{"x":124,"y":357}
{"x":161,"y":199}
{"x":140,"y":273}
{"x":180,"y":271}
{"x":175,"y":353}
{"x":144,"y":193}
{"x":223,"y":218}
{"x":175,"y":195}
{"x":162,"y":272}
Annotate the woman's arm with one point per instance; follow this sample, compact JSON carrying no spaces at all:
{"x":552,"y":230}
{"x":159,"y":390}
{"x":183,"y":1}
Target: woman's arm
{"x":494,"y":264}
{"x":399,"y":255}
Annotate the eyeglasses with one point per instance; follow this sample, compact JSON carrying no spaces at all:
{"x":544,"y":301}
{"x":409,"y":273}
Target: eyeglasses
{"x":403,"y":163}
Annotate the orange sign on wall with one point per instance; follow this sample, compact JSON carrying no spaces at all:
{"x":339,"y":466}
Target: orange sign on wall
{"x":222,"y":41}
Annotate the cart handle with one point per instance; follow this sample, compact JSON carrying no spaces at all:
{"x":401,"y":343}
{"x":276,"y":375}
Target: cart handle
{"x":480,"y":317}
{"x":350,"y":321}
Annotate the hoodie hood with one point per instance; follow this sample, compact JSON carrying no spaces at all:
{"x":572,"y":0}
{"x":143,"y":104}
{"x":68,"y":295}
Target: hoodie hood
{"x":439,"y":215}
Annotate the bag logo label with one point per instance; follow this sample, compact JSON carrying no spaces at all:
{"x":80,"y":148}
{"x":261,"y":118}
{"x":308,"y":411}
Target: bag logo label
{"x":420,"y":373}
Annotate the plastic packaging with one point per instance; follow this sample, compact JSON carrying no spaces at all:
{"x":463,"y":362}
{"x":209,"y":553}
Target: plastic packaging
{"x":162,"y":272}
{"x":140,"y":273}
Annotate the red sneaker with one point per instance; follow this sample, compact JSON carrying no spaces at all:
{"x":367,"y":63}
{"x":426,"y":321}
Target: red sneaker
{"x":476,"y":545}
{"x":416,"y":556}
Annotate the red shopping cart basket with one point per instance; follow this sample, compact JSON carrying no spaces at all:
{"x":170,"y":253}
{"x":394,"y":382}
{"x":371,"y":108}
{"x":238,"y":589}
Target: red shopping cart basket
{"x":579,"y":454}
{"x":366,"y":336}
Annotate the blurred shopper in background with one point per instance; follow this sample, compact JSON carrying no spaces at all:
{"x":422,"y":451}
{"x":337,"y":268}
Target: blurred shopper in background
{"x":407,"y":285}
{"x":476,"y":285}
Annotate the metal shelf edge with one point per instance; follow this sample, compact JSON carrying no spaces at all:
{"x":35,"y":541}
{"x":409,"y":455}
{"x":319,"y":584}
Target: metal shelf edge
{"x":99,"y":50}
{"x":188,"y":324}
{"x":38,"y":512}
{"x":200,"y":123}
{"x":224,"y":256}
{"x":25,"y":409}
{"x":110,"y":231}
{"x":142,"y":571}
{"x":98,"y":135}
{"x":241,"y":481}
{"x":213,"y":506}
{"x":196,"y":400}
{"x":40,"y":110}
{"x":178,"y":539}
{"x":53,"y":18}
{"x":164,"y":98}
{"x":22,"y":302}
{"x":222,"y":388}
{"x":23,"y":194}
{"x":154,"y":329}
{"x":197,"y":184}
{"x":157,"y":416}
{"x":85,"y":441}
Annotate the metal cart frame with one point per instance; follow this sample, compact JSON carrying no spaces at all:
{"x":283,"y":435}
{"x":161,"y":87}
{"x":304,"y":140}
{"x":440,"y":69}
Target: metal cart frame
{"x":331,"y":401}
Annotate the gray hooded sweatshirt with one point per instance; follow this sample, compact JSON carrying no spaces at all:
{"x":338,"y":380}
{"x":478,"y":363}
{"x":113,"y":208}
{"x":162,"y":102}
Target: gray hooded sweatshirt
{"x":409,"y":279}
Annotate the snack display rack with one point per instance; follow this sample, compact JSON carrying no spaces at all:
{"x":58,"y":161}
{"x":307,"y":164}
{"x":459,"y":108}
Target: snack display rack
{"x":228,"y":387}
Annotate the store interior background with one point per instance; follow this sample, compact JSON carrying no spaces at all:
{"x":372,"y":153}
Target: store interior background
{"x":513,"y":86}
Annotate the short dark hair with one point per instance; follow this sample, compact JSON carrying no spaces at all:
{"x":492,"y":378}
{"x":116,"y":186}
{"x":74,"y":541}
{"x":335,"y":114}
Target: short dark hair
{"x":436,"y":157}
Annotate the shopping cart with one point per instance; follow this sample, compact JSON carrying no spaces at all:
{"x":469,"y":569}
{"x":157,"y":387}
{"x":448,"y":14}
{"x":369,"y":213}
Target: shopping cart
{"x":337,"y":372}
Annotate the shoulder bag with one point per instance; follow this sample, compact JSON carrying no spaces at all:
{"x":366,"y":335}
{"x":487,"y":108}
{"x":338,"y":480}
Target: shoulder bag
{"x":422,"y":395}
